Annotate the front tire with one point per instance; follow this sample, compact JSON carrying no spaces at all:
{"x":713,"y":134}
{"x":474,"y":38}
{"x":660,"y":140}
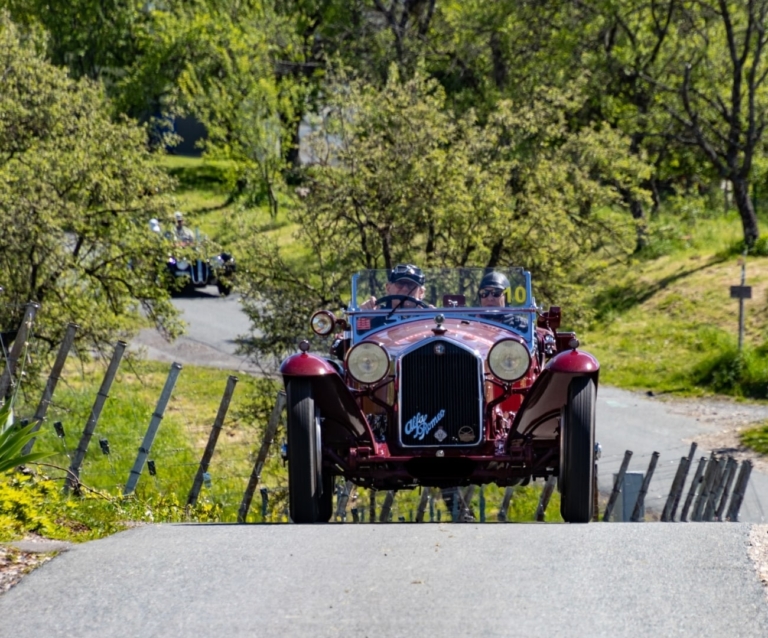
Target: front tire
{"x":305,"y":480}
{"x":224,"y":290}
{"x":577,"y":432}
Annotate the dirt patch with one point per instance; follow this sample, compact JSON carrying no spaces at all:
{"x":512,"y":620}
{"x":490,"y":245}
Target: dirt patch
{"x":15,"y":564}
{"x":733,"y":418}
{"x":758,"y":552}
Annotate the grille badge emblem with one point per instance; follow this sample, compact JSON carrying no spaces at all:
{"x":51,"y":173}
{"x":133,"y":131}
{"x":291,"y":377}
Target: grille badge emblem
{"x":439,"y":349}
{"x":466,"y":434}
{"x":441,"y":434}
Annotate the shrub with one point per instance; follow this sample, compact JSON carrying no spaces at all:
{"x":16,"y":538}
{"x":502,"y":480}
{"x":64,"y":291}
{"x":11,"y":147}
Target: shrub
{"x":730,"y":371}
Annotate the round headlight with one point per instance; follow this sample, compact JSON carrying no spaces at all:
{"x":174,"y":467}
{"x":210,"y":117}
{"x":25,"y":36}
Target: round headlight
{"x":182,"y":264}
{"x":509,"y":360}
{"x":322,"y":323}
{"x":368,"y":362}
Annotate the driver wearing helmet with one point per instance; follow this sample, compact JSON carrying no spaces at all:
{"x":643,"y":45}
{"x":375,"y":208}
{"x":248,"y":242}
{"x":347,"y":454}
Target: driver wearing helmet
{"x":403,"y":279}
{"x":494,"y":292}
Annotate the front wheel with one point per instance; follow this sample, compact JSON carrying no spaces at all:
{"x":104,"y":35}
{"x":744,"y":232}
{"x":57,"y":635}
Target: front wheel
{"x":577,"y":461}
{"x":305,"y":478}
{"x":224,"y":289}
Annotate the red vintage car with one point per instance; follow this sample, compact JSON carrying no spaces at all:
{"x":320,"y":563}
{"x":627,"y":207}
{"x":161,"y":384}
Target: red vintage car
{"x":431,"y":388}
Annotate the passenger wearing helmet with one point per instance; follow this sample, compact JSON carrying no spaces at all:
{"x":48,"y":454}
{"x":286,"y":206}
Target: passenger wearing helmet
{"x":183,"y":234}
{"x":494,"y":292}
{"x":403,"y":279}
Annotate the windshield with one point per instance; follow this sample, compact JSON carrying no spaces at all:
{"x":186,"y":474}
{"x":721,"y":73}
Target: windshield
{"x":449,"y":291}
{"x":447,"y":287}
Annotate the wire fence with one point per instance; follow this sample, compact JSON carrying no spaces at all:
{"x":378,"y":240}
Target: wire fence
{"x":237,"y":471}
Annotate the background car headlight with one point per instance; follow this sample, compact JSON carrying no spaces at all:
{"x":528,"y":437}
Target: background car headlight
{"x":182,"y":264}
{"x":322,"y":323}
{"x":509,"y":360}
{"x":368,"y":362}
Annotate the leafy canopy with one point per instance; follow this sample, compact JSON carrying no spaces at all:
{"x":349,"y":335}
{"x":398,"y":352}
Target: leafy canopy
{"x":77,"y":191}
{"x":398,"y":178}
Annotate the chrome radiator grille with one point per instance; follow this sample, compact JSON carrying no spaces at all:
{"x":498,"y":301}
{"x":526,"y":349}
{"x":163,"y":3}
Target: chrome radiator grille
{"x":440,"y":396}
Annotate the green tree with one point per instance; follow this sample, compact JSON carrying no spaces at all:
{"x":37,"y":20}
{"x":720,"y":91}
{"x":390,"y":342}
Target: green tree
{"x":399,"y":178}
{"x":92,"y":38}
{"x":77,"y":191}
{"x":715,"y":90}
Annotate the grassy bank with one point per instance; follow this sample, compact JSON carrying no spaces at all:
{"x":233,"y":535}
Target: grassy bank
{"x":36,"y":502}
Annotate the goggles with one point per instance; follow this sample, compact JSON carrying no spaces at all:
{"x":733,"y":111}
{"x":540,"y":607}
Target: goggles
{"x":490,"y":292}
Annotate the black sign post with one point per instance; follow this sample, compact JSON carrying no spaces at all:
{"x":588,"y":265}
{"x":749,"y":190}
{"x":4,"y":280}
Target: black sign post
{"x":741,"y":293}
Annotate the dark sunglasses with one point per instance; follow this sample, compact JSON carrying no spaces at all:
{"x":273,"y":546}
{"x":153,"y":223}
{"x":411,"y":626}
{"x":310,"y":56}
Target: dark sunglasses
{"x":495,"y":292}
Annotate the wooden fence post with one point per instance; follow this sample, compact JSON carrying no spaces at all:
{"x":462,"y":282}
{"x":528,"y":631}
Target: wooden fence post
{"x":372,"y":505}
{"x":718,"y":483}
{"x":261,"y":457}
{"x":546,"y":494}
{"x":465,"y":503}
{"x":739,"y":491}
{"x":668,"y":513}
{"x":154,"y":425}
{"x":640,"y":503}
{"x":706,"y":486}
{"x":343,"y":499}
{"x":422,"y":504}
{"x":6,"y":378}
{"x":213,"y":437}
{"x":504,"y":507}
{"x":617,"y":486}
{"x":386,"y":507}
{"x":692,"y":489}
{"x":50,"y":386}
{"x":678,"y":485}
{"x":733,"y":464}
{"x":73,"y":476}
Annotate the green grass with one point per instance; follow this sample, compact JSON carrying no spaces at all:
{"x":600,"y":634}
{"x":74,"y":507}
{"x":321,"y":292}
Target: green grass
{"x":204,"y":194}
{"x":756,"y":438}
{"x":667,"y":323}
{"x":40,"y":506}
{"x":181,"y":437}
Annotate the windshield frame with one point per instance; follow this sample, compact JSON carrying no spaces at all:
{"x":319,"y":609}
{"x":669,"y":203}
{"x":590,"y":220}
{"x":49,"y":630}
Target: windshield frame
{"x":470,"y":312}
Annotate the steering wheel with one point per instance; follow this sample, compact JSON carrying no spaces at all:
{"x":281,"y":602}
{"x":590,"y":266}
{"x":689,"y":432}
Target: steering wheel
{"x":387,"y":298}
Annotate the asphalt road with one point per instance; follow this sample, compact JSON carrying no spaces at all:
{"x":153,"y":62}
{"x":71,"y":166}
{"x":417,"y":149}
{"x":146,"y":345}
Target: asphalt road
{"x":631,"y":421}
{"x":397,"y":580}
{"x":213,"y":325}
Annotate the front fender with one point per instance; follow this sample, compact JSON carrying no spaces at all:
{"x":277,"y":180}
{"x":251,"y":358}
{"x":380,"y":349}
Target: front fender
{"x":333,"y":398}
{"x":306,"y":365}
{"x":574,"y":362}
{"x":540,"y":411}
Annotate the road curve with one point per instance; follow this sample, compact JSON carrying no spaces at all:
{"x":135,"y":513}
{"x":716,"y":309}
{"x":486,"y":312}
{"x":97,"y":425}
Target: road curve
{"x":213,"y":325}
{"x":396,"y":580}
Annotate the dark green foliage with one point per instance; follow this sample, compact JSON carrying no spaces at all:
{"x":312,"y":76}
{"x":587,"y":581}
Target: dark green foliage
{"x":727,"y":371}
{"x":77,"y":191}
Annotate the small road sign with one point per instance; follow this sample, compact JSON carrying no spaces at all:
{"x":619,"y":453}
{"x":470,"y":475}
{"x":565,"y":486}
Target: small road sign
{"x":741,"y":292}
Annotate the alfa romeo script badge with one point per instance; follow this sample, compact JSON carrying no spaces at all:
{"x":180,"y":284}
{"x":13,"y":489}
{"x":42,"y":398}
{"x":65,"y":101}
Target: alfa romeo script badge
{"x":466,"y":434}
{"x":440,"y":434}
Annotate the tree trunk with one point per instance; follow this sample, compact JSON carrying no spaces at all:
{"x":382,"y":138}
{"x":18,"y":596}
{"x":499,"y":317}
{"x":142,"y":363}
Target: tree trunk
{"x":638,"y":214}
{"x":746,"y":210}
